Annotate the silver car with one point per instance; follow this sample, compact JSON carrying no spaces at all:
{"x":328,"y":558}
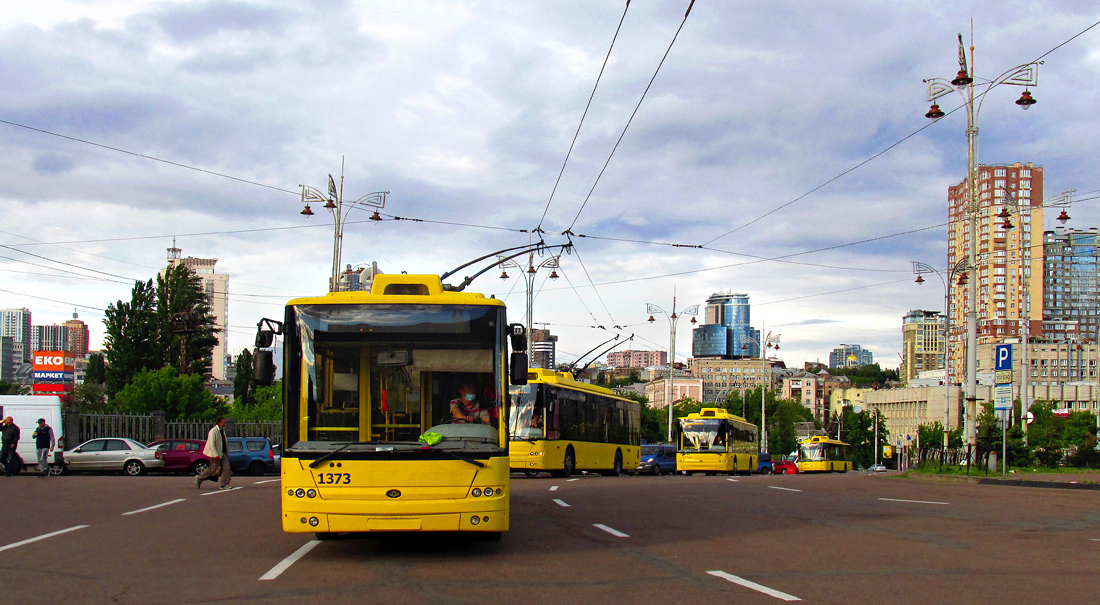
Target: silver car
{"x":126,"y":455}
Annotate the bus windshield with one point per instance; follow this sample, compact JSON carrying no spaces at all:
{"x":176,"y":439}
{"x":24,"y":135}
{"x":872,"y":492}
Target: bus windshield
{"x":387,"y":373}
{"x":811,"y":451}
{"x":526,"y":414}
{"x":703,"y":435}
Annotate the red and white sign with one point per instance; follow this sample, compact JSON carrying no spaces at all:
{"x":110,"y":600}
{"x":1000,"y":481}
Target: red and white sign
{"x":54,"y":361}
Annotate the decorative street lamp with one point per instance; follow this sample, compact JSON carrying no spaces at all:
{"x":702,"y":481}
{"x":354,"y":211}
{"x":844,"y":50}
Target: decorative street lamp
{"x":335,"y":204}
{"x":1026,"y":75}
{"x":529,"y":279}
{"x":672,"y":319}
{"x":770,"y":341}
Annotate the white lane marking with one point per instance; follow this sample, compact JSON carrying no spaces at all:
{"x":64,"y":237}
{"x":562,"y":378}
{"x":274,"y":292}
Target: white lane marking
{"x":221,"y":491}
{"x":734,"y":480}
{"x":287,"y":562}
{"x":786,"y":489}
{"x":42,"y":537}
{"x":560,"y":503}
{"x":1095,"y":539}
{"x":753,"y":585}
{"x":913,"y":501}
{"x":267,"y":481}
{"x":553,"y":488}
{"x":613,"y":532}
{"x":572,"y":479}
{"x":141,"y":510}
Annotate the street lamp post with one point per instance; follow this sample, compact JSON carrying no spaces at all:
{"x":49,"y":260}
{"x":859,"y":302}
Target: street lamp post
{"x":959,"y":269}
{"x":672,"y":319}
{"x":529,"y":279}
{"x":1026,"y":75}
{"x":335,"y":204}
{"x":771,"y":340}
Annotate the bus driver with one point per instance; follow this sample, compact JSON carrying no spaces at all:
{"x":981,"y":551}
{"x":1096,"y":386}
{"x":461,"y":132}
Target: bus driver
{"x":466,"y":409}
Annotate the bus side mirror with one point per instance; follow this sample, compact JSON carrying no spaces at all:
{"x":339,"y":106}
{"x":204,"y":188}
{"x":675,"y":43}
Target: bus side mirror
{"x":517,"y":368}
{"x":263,"y":368}
{"x":264,"y":339}
{"x":519,"y":339}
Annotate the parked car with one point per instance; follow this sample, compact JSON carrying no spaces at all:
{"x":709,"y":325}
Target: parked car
{"x":784,"y":467}
{"x":657,"y":459}
{"x":126,"y":455}
{"x":252,"y":455}
{"x":182,"y":455}
{"x":877,"y":468}
{"x":764,"y":465}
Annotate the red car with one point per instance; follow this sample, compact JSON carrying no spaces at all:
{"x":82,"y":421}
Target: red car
{"x":782,"y":467}
{"x":182,"y":455}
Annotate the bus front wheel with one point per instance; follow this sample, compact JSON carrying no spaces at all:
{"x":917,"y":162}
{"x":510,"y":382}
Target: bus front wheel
{"x":569,"y":464}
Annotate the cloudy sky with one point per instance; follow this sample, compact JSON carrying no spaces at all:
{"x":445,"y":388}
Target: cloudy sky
{"x":464,"y":112}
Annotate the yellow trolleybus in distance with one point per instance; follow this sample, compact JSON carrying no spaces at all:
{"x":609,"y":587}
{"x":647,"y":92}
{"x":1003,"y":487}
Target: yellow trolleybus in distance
{"x":715,"y":441}
{"x":371,"y":444}
{"x":560,"y":425}
{"x":822,"y":454}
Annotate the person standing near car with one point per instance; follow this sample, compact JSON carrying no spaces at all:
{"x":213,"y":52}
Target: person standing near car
{"x":9,"y":438}
{"x":218,"y":451}
{"x":43,"y":444}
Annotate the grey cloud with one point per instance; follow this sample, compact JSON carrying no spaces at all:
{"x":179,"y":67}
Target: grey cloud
{"x":52,"y":163}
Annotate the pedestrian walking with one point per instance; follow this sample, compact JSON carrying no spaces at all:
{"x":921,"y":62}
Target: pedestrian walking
{"x":9,"y":438}
{"x":218,"y":451}
{"x":43,"y":444}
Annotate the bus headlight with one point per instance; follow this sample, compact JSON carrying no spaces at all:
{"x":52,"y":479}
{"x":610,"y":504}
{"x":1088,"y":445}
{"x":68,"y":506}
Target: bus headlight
{"x":475,"y":520}
{"x":488,"y":491}
{"x":537,"y":453}
{"x":311,"y":493}
{"x":477,"y":492}
{"x":313,"y":521}
{"x":301,"y":493}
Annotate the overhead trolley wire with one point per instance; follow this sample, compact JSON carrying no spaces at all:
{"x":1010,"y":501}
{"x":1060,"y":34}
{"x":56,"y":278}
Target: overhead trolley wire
{"x":583,"y":115}
{"x":632,"y":114}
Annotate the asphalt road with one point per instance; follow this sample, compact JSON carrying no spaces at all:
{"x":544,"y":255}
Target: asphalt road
{"x":850,"y":538}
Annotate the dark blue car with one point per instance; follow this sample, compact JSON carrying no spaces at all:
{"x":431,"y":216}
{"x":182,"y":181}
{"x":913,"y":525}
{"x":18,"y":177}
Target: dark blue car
{"x":252,"y":455}
{"x":657,"y":459}
{"x":765,"y":465}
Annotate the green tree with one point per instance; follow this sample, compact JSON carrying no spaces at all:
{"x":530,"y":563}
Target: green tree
{"x":186,"y":333}
{"x":181,"y":397}
{"x":266,"y":407}
{"x":10,"y":388}
{"x":96,"y":372}
{"x":90,"y":397}
{"x":130,"y":339}
{"x":866,"y":375}
{"x":989,"y":438}
{"x":243,"y":386}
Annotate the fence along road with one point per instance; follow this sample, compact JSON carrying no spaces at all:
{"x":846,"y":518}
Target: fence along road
{"x":152,"y":427}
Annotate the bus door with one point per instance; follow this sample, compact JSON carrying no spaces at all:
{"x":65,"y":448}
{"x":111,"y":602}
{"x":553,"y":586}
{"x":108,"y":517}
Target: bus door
{"x":336,"y":387}
{"x":396,"y":401}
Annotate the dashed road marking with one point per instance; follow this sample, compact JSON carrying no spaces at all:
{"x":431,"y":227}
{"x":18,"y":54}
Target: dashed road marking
{"x":734,"y":480}
{"x":753,"y":585}
{"x":786,"y":489}
{"x":613,"y":532}
{"x":912,"y":501}
{"x":42,"y":537}
{"x":221,"y":491}
{"x":573,"y":479}
{"x":141,"y":510}
{"x":287,"y":562}
{"x":267,"y":481}
{"x":553,"y":488}
{"x":561,"y":503}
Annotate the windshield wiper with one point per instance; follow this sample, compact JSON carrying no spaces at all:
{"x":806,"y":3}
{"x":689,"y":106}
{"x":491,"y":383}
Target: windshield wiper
{"x":476,"y":463}
{"x":321,"y":460}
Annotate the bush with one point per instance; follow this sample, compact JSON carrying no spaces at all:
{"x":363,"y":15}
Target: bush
{"x":1049,"y":456}
{"x":1085,"y":457}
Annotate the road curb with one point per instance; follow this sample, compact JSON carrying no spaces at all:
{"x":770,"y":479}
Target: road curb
{"x":1006,"y":482}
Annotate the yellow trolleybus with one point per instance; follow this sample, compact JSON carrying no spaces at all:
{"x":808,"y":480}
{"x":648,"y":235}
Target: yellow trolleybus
{"x":822,"y":454}
{"x":715,"y":441}
{"x":560,"y":425}
{"x":393,"y":415}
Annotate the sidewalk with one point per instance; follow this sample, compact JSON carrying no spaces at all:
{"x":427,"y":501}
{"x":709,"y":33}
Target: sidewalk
{"x":1087,"y":481}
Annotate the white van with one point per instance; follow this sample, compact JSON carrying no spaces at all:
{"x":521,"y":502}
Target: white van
{"x":25,"y":410}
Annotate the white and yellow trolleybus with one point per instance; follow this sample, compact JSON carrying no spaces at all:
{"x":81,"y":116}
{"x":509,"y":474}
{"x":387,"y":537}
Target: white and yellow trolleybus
{"x":370,"y":443}
{"x":560,"y":425}
{"x":822,"y":454}
{"x":715,"y":441}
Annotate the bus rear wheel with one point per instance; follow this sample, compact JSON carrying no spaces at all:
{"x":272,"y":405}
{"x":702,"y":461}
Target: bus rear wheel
{"x":569,"y":463}
{"x":617,"y":469}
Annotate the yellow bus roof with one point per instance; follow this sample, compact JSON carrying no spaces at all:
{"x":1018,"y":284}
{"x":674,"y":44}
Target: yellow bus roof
{"x":820,"y":439}
{"x":567,"y":380}
{"x":713,"y":413}
{"x":401,"y":288}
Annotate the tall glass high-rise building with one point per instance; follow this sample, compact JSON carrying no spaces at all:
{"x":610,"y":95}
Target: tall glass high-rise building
{"x":1071,"y":284}
{"x":726,"y":331}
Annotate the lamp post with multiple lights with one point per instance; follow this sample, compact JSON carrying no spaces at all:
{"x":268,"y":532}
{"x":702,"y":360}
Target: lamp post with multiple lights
{"x":529,"y":273}
{"x":959,"y":270}
{"x":1026,"y":75}
{"x":672,"y":319}
{"x":335,"y":204}
{"x":769,"y":341}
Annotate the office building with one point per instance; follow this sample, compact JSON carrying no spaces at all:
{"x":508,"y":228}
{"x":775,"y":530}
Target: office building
{"x":1071,"y":305}
{"x":543,"y":349}
{"x":726,"y":331}
{"x":50,"y":338}
{"x":849,"y":356}
{"x":7,"y":372}
{"x":922,"y":343}
{"x":216,"y":287}
{"x":637,"y":359}
{"x":16,"y":323}
{"x":721,"y":377}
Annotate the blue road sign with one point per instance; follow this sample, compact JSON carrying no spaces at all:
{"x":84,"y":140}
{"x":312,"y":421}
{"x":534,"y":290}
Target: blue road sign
{"x":1004,"y":357}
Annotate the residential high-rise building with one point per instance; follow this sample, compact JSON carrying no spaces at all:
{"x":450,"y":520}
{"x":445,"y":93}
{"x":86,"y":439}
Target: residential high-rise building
{"x":847,"y":356}
{"x":216,"y":287}
{"x":16,"y":323}
{"x":50,"y":338}
{"x":637,"y":359}
{"x":1071,"y":285}
{"x":7,"y":372}
{"x":726,"y":331}
{"x":78,"y":337}
{"x":543,"y":349}
{"x":922,"y":343}
{"x":1009,"y":262}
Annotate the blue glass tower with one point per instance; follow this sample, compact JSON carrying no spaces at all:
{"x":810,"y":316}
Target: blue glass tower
{"x":726,"y":331}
